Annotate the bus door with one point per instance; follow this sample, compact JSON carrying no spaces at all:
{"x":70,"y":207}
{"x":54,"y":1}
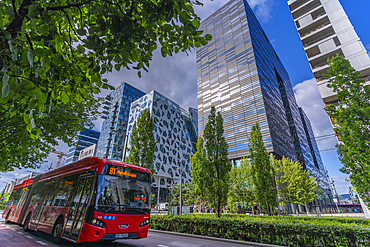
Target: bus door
{"x":20,"y":202}
{"x":41,"y":198}
{"x":78,"y":205}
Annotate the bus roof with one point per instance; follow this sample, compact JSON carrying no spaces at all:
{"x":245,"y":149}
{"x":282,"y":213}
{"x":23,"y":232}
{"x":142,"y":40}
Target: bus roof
{"x":25,"y":183}
{"x":85,"y":165}
{"x":79,"y":166}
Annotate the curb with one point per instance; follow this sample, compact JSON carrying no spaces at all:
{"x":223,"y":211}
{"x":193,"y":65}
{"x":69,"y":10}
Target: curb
{"x":217,"y":239}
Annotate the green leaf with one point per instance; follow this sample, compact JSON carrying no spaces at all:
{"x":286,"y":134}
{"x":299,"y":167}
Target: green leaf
{"x":79,"y":98}
{"x":8,"y":9}
{"x":6,"y":86}
{"x":208,"y":37}
{"x":81,"y":32}
{"x":117,"y":66}
{"x":65,"y":97}
{"x":30,"y":58}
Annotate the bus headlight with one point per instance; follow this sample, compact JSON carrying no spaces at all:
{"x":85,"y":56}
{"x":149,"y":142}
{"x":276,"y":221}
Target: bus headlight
{"x":96,"y":222}
{"x":144,"y":223}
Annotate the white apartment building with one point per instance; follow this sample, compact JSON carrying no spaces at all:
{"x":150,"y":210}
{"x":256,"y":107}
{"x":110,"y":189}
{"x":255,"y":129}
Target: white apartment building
{"x":326,"y":31}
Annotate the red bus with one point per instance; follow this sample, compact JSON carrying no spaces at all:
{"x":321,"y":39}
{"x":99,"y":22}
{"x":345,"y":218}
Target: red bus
{"x":93,"y":199}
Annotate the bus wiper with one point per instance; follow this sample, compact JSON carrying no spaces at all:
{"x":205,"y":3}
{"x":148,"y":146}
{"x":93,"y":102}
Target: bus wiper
{"x":136,"y":209}
{"x":117,"y":205}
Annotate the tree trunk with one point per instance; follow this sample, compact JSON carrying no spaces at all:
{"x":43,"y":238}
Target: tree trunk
{"x":296,"y":209}
{"x":252,"y":208}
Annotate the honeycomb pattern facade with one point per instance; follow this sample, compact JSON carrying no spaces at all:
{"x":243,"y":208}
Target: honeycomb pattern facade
{"x":174,"y":133}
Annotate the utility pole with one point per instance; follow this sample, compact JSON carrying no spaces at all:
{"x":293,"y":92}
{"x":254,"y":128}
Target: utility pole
{"x":181,"y":184}
{"x":181,"y":170}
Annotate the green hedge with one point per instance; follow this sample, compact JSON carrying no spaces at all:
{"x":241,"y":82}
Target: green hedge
{"x":286,"y":231}
{"x":2,"y":207}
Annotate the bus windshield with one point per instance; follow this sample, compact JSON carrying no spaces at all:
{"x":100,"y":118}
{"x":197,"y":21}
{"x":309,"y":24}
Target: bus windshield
{"x":122,"y":195}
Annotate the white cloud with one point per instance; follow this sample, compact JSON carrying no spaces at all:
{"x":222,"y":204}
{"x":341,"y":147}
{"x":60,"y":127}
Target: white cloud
{"x":309,"y":98}
{"x":262,"y":9}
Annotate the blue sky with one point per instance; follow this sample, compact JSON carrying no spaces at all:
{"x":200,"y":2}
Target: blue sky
{"x":175,"y":76}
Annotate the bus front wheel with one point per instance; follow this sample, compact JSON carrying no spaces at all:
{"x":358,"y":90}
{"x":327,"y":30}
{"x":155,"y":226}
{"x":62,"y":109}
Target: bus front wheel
{"x":26,"y":222}
{"x":6,"y":218}
{"x":57,"y":231}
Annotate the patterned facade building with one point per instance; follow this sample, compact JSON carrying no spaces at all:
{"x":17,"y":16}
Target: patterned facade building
{"x":86,"y":138}
{"x":240,"y":74}
{"x":325,"y":31}
{"x":175,"y":136}
{"x":116,"y":112}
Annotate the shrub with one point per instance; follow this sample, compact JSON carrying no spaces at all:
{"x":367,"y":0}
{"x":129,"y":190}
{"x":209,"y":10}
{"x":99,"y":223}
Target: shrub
{"x":287,"y":231}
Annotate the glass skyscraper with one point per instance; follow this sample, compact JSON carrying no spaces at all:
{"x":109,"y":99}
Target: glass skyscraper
{"x":116,"y":112}
{"x":240,"y":74}
{"x":86,"y":138}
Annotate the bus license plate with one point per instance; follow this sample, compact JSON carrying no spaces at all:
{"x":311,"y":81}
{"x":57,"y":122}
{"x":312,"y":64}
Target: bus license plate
{"x":121,"y":235}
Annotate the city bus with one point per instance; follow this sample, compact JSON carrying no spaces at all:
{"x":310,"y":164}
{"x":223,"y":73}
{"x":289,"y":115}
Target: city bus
{"x":93,"y":199}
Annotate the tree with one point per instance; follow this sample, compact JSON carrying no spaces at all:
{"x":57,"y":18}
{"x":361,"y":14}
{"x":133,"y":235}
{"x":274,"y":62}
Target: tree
{"x":143,"y":142}
{"x":198,"y":171}
{"x":217,"y":167}
{"x":189,"y":196}
{"x":295,"y":183}
{"x":241,"y":185}
{"x":54,"y":53}
{"x":261,"y":170}
{"x":18,"y":150}
{"x":351,"y":122}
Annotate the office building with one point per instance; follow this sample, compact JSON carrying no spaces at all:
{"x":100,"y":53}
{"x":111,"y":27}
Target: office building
{"x":240,"y":74}
{"x":86,"y":138}
{"x":175,"y":136}
{"x":326,"y":31}
{"x":116,"y":113}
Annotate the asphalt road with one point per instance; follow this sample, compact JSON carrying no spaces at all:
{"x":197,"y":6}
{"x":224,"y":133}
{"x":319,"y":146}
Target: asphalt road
{"x":12,"y":235}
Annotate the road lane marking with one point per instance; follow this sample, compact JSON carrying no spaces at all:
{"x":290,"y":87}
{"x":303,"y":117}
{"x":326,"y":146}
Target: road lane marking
{"x":20,"y":232}
{"x":162,"y":245}
{"x":40,"y":242}
{"x":29,"y":237}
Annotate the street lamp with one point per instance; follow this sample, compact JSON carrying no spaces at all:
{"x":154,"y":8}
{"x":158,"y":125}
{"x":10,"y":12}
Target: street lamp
{"x":182,"y":155}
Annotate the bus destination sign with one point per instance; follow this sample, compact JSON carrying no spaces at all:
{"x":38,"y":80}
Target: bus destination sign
{"x":120,"y":171}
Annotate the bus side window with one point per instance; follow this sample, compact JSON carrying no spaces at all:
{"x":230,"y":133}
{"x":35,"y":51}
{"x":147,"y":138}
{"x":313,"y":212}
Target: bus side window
{"x":65,"y":188}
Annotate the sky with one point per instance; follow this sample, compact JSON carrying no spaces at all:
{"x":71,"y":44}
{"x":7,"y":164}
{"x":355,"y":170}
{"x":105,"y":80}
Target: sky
{"x":175,"y":76}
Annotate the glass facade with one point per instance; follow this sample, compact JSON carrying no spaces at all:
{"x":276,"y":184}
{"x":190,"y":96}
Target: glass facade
{"x":237,"y":73}
{"x":240,"y":74}
{"x":116,"y":112}
{"x":86,"y":139}
{"x":174,"y":133}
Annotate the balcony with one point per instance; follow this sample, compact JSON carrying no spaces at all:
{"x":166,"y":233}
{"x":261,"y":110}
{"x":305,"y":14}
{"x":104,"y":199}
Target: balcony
{"x":323,"y":48}
{"x":322,"y":62}
{"x":106,"y":107}
{"x":305,"y":8}
{"x":294,"y":4}
{"x":314,"y":27}
{"x":105,"y":112}
{"x":317,"y":36}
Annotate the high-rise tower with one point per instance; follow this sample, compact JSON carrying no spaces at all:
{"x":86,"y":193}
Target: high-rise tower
{"x":86,"y":138}
{"x":240,"y":74}
{"x":326,"y":31}
{"x":116,"y":111}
